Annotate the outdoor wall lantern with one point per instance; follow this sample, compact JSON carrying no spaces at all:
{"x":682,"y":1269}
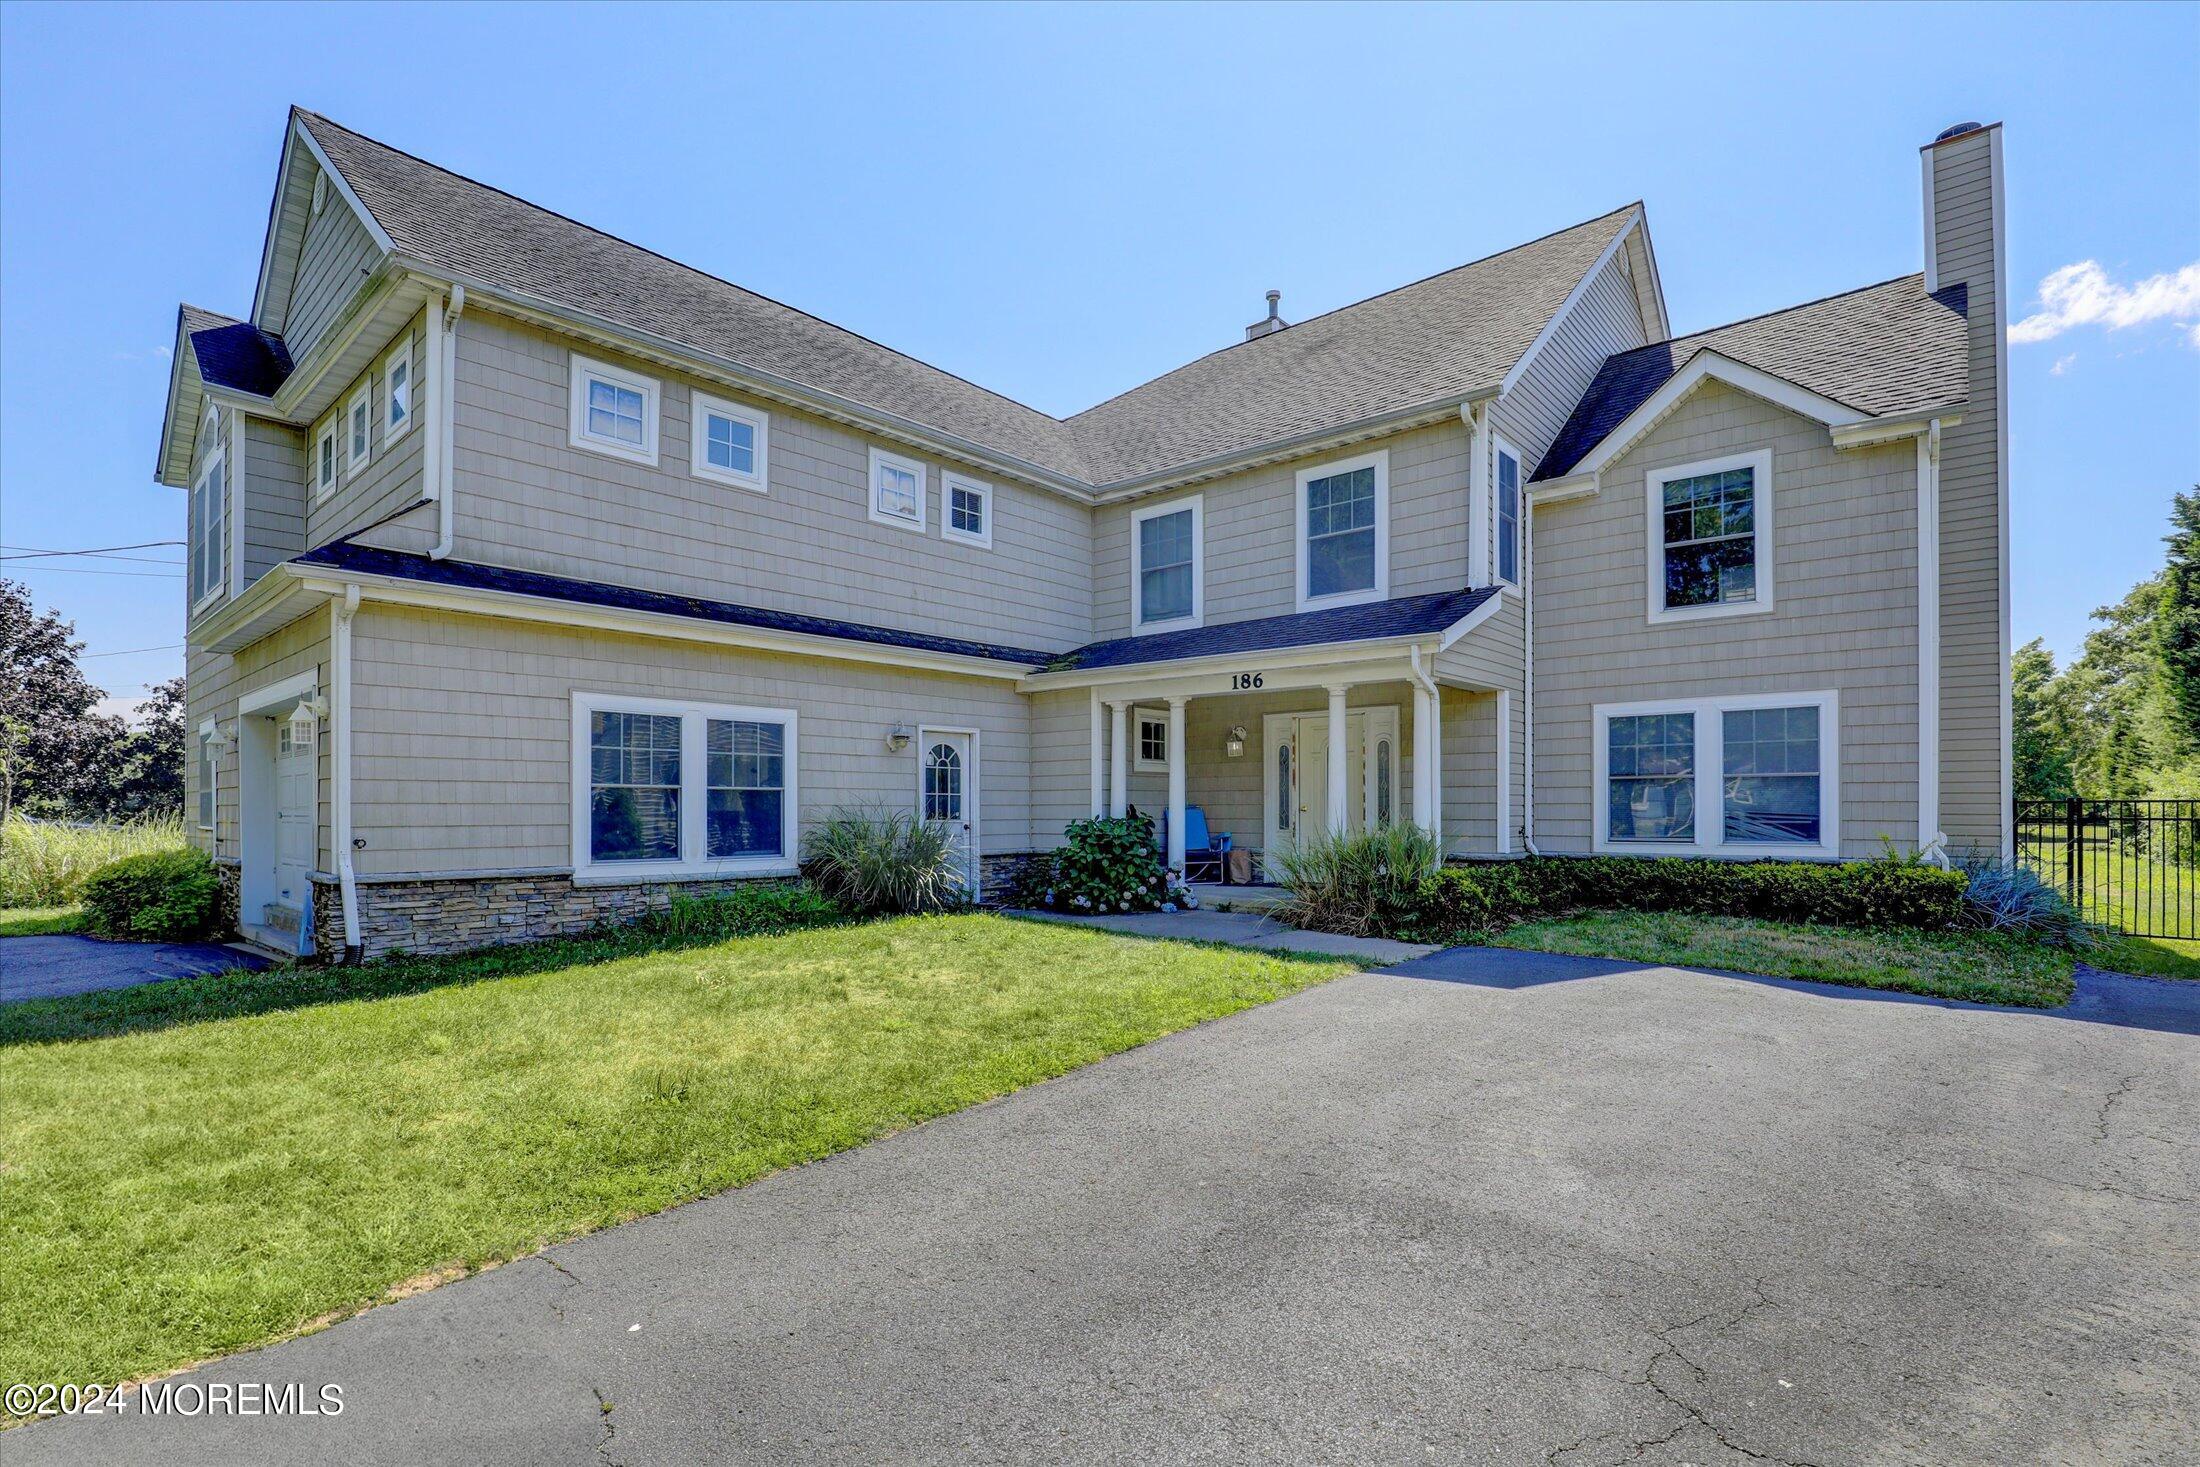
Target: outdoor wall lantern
{"x":897,"y":737}
{"x":1234,"y":745}
{"x":305,"y":715}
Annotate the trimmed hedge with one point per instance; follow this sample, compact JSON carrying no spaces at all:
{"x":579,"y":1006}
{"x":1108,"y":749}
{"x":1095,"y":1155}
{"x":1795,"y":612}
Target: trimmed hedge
{"x":1460,"y":903}
{"x":160,"y":896}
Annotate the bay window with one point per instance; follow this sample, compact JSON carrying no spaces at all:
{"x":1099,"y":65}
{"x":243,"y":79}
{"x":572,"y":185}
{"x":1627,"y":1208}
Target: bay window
{"x":1735,"y":776}
{"x":665,"y":789}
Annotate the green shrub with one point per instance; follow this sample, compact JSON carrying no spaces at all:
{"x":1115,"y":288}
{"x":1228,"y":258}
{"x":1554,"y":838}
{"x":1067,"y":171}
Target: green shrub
{"x":1461,"y":903}
{"x":43,"y":864}
{"x":1362,"y":885}
{"x":880,"y":862}
{"x":753,"y":909}
{"x":1107,"y":864}
{"x":165,"y":896}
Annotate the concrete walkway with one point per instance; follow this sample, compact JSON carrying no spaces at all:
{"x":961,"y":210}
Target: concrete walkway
{"x":1245,"y":929}
{"x":1578,"y":1212}
{"x":56,"y":966}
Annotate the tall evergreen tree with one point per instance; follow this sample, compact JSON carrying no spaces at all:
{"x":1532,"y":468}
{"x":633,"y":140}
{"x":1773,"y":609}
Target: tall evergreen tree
{"x":2041,"y":741}
{"x":2177,"y":619}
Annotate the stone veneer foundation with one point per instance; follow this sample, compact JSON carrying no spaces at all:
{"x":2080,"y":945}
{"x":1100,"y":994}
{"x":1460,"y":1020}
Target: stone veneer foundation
{"x":454,"y":914}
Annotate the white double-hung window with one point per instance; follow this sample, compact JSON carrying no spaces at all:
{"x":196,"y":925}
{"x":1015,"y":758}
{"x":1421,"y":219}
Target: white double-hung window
{"x":397,"y":390}
{"x":1744,"y":776}
{"x":1710,"y":537}
{"x":1167,"y":584}
{"x":209,"y":510}
{"x":206,"y":775}
{"x":897,"y":490}
{"x":730,"y":443}
{"x":1344,"y":532}
{"x":358,"y":431}
{"x":613,"y":411}
{"x":1508,"y":514}
{"x":665,"y":788}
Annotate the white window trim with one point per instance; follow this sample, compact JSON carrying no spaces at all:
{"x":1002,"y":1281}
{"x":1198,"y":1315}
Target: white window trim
{"x":1380,"y":462}
{"x":700,"y":408}
{"x":209,"y":763}
{"x":328,"y":433}
{"x":1759,"y":461}
{"x":402,"y":352}
{"x":1197,"y":505}
{"x":880,"y":457}
{"x":950,"y":481}
{"x":1140,"y":717}
{"x":1501,"y":448}
{"x":204,"y":535}
{"x":1710,"y":779}
{"x":577,"y":434}
{"x":694,"y":786}
{"x":359,"y":451}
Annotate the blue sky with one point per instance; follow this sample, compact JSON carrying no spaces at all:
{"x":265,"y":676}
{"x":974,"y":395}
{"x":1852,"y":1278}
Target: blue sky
{"x":1061,"y":202}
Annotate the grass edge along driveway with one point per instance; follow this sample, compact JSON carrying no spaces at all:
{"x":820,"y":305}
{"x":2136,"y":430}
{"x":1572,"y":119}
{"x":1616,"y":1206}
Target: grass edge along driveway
{"x":179,"y":1190}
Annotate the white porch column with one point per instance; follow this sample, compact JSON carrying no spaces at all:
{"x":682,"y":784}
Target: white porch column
{"x":1340,"y":805}
{"x":1425,"y":756}
{"x":1099,"y":741}
{"x":1119,"y":766}
{"x":1177,"y":762}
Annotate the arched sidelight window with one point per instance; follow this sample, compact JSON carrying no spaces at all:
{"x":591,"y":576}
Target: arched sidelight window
{"x":943,"y":783}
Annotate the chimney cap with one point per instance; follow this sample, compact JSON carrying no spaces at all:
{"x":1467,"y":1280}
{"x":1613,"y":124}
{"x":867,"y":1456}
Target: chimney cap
{"x":1957,"y":131}
{"x":1274,"y":323}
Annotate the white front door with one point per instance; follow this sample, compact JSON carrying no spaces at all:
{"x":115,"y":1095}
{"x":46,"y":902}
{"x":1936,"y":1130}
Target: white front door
{"x":1295,"y":779}
{"x":295,"y":777}
{"x":947,"y":793}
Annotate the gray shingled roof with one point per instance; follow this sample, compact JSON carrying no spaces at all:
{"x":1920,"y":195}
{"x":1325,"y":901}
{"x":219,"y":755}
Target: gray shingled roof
{"x":1889,"y":350}
{"x":1441,"y":337}
{"x":235,"y":354}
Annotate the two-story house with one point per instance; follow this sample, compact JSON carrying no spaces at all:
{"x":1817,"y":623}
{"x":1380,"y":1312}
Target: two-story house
{"x":533,"y":573}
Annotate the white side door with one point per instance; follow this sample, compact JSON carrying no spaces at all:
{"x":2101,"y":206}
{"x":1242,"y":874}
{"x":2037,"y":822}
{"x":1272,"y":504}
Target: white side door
{"x":295,"y":777}
{"x":947,"y":792}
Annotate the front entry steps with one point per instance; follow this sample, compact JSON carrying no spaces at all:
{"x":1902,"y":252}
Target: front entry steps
{"x":282,"y":917}
{"x":1213,"y":896}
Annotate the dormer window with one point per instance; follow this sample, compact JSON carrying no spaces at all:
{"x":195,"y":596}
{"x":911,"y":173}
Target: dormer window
{"x":730,"y":443}
{"x":897,"y":490}
{"x":1344,"y":532}
{"x":614,"y":411}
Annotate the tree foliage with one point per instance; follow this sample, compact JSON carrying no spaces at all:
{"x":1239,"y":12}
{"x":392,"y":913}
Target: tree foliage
{"x":59,"y":757}
{"x":2177,"y":616}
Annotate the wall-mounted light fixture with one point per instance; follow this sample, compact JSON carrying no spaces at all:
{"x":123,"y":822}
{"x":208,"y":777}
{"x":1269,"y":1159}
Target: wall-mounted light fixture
{"x":1234,"y":745}
{"x":898,"y":737}
{"x":308,"y":712}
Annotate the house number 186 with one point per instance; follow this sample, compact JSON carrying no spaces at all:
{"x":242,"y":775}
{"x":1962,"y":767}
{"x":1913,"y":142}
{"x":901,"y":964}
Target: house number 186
{"x":1240,"y":681}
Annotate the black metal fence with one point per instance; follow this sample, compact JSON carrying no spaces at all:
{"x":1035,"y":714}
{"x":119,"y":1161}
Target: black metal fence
{"x":2133,"y":865}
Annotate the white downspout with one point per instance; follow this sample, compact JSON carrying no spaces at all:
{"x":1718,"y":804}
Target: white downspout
{"x":1527,"y":674}
{"x":340,"y":615}
{"x":442,"y":356}
{"x":1931,"y":841}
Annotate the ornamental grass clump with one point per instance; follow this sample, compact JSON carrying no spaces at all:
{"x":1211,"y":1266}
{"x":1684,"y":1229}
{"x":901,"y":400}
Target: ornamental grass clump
{"x":880,"y":862}
{"x":1364,"y":885}
{"x":2005,"y":897}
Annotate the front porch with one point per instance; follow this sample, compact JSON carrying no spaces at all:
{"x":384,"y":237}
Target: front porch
{"x":1273,"y":746}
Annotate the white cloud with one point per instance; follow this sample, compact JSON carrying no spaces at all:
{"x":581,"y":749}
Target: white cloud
{"x":2063,"y":365}
{"x":2083,"y":295}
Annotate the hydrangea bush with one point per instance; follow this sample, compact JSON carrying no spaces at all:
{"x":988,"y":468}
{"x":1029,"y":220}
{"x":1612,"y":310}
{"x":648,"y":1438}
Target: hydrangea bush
{"x":1105,"y":865}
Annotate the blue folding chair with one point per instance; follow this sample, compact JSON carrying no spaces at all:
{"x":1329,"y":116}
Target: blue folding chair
{"x":1203,"y":851}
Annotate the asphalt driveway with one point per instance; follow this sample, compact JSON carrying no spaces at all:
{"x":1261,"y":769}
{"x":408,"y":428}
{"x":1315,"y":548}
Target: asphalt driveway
{"x":62,"y":964}
{"x":1509,"y":1208}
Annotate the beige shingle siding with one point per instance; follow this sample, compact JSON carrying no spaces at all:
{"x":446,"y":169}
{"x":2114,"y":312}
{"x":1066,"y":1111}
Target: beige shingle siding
{"x":527,"y":499}
{"x":273,"y":485}
{"x":335,"y":258}
{"x":391,"y":478}
{"x":1490,"y":656}
{"x":1844,"y":617}
{"x":1250,"y":527}
{"x":462,"y":741}
{"x":1973,"y":751}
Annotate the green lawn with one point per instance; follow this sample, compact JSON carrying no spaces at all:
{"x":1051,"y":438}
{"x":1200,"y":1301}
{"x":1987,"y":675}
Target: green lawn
{"x":2122,"y":885}
{"x":199,"y":1166}
{"x":2155,"y":957}
{"x":39,"y":921}
{"x":1941,"y":965}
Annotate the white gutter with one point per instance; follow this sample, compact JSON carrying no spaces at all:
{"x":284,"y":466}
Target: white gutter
{"x":341,"y":611}
{"x":436,"y":467}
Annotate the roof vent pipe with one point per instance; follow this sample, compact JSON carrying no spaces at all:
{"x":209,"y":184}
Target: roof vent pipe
{"x":1274,"y":322}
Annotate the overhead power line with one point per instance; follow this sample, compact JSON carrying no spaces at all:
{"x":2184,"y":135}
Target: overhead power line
{"x":25,"y":552}
{"x":130,"y":651}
